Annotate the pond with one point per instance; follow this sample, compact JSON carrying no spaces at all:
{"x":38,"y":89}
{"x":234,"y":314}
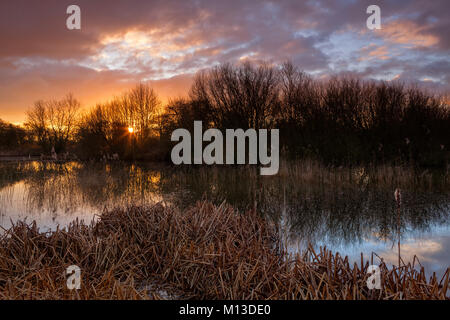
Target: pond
{"x":348,"y":210}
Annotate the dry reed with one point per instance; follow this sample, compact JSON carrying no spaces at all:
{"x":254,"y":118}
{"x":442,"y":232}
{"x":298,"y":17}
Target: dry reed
{"x":205,"y":252}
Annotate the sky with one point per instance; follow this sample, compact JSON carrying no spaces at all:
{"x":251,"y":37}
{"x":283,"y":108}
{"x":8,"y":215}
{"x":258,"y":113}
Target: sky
{"x":123,"y":42}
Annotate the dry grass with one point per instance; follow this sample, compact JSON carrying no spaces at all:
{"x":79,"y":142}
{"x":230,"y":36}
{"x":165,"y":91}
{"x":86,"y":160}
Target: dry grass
{"x":206,"y":252}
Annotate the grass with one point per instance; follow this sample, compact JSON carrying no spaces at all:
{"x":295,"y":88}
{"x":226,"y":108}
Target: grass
{"x":204,"y":252}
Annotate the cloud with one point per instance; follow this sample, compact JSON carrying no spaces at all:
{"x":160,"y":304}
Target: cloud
{"x":126,"y":41}
{"x":408,"y":33}
{"x":373,"y":51}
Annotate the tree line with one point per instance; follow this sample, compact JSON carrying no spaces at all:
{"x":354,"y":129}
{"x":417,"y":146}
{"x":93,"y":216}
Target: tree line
{"x":341,"y":120}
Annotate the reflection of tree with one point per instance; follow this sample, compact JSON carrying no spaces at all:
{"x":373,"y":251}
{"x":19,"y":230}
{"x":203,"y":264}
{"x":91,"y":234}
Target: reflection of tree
{"x":9,"y":175}
{"x":352,"y":215}
{"x":321,"y":207}
{"x":95,"y":184}
{"x":336,"y":211}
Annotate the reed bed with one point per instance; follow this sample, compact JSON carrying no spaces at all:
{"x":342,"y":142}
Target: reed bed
{"x":205,"y":252}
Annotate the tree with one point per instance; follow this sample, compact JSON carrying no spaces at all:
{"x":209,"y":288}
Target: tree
{"x":53,"y":123}
{"x":106,"y":125}
{"x":243,"y":96}
{"x":11,"y":136}
{"x":143,"y":105}
{"x":37,"y":123}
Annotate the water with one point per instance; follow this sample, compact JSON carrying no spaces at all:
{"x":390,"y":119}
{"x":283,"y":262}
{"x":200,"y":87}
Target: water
{"x":347,"y":210}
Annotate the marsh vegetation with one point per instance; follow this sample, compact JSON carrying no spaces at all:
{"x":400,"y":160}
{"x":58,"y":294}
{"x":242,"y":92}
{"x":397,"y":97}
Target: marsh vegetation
{"x":204,"y":252}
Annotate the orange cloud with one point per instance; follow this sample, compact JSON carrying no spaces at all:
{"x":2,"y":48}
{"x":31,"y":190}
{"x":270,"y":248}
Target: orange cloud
{"x":408,"y":33}
{"x":372,"y":51}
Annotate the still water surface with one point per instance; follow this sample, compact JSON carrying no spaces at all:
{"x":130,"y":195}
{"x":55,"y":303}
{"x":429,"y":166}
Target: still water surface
{"x":347,"y":210}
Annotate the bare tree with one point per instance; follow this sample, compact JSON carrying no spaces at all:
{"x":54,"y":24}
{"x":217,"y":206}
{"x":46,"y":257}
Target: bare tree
{"x":37,"y":123}
{"x":62,"y":117}
{"x":142,"y":107}
{"x":242,"y":96}
{"x":53,"y":123}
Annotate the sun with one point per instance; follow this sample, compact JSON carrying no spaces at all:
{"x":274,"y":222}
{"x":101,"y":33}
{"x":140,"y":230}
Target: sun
{"x":130,"y":130}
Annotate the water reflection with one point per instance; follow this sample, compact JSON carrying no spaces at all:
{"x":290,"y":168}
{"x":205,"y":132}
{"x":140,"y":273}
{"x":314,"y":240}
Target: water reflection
{"x":348,"y":210}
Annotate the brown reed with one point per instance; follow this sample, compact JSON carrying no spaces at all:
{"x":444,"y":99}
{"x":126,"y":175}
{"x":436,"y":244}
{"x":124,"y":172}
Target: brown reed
{"x":205,"y":252}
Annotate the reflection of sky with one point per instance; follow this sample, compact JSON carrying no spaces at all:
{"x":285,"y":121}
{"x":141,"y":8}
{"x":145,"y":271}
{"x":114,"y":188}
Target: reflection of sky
{"x":16,"y":206}
{"x":432,"y":248}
